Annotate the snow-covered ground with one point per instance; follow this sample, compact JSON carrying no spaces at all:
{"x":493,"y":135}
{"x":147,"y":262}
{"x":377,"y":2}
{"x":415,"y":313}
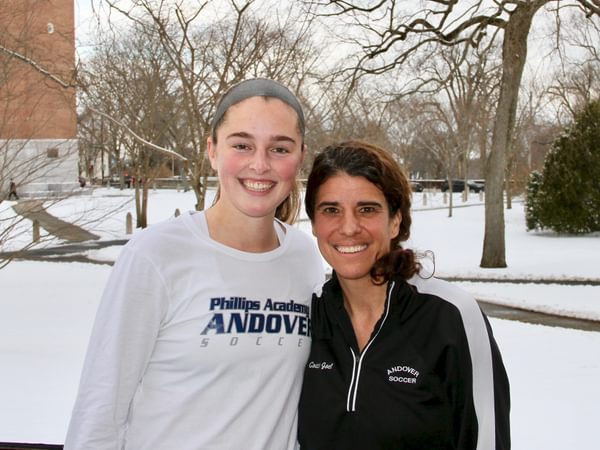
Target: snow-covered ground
{"x":46,"y":312}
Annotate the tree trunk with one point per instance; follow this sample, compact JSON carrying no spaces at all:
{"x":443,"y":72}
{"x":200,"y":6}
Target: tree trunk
{"x":144,"y":209}
{"x":200,"y":182}
{"x":450,"y":192}
{"x":200,"y":190}
{"x":138,"y":205}
{"x":509,"y":175}
{"x":514,"y":54}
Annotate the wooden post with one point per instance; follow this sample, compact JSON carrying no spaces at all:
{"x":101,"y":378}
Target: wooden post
{"x":36,"y":231}
{"x":128,"y":224}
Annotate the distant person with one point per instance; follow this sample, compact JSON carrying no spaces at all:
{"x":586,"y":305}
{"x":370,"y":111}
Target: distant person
{"x":203,"y":330}
{"x":12,"y":191}
{"x":398,"y":360}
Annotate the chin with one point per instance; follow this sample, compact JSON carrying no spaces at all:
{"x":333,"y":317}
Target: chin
{"x":352,"y":275}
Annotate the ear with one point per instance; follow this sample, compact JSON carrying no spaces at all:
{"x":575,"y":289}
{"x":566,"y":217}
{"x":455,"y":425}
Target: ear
{"x":395,"y":222}
{"x":212,"y":153}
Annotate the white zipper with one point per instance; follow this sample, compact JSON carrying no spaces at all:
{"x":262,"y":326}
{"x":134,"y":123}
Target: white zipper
{"x":357,"y":364}
{"x":349,"y":401}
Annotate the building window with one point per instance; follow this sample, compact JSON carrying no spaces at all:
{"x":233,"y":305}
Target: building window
{"x":52,"y":152}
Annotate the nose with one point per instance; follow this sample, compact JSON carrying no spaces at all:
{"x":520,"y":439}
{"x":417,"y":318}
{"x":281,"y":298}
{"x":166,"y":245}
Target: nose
{"x":260,"y":161}
{"x":350,"y":224}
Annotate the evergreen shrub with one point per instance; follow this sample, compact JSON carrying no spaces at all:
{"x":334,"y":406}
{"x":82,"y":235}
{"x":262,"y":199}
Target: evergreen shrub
{"x":567,"y":198}
{"x":532,"y":204}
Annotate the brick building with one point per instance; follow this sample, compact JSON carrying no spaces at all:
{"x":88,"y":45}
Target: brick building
{"x":38,"y":123}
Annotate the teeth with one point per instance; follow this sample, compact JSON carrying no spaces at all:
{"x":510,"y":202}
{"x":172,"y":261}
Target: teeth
{"x":259,"y":186}
{"x":350,"y":248}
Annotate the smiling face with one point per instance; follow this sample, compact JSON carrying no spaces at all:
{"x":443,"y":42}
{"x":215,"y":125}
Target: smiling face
{"x":352,"y":225}
{"x":257,"y":155}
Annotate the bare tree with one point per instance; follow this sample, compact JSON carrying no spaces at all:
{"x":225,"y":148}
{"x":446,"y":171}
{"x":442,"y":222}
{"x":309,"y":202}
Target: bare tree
{"x":450,"y":121}
{"x":402,"y":116}
{"x":211,"y":49}
{"x":576,"y":83}
{"x":393,"y":35}
{"x":465,"y":85}
{"x":438,"y":137}
{"x":574,"y":88}
{"x":36,"y":94}
{"x":528,"y":122}
{"x":132,"y":79}
{"x":37,"y":98}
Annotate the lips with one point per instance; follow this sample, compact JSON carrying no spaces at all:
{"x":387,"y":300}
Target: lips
{"x":258,"y":186}
{"x":349,"y":249}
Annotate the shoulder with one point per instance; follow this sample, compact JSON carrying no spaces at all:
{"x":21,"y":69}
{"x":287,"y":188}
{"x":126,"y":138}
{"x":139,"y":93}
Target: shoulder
{"x":328,"y":294}
{"x":295,"y":233}
{"x":300,"y":241}
{"x":444,"y":291}
{"x":447,"y":296}
{"x":324,"y":305}
{"x":160,"y":238}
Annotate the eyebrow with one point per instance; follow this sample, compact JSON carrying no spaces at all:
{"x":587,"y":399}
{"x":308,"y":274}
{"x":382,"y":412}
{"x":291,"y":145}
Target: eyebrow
{"x":274,"y":138}
{"x":361,"y":203}
{"x":322,"y":204}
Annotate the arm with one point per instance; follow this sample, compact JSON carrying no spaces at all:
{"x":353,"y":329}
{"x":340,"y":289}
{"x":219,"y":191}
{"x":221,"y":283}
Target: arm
{"x":474,"y":376}
{"x":479,"y":389}
{"x":501,"y":395}
{"x":125,"y":329}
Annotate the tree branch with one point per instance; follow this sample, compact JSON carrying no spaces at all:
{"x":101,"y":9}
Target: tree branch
{"x":36,"y":67}
{"x":139,"y":139}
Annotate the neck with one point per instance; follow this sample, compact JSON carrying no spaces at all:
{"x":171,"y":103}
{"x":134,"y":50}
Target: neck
{"x":362,"y":297}
{"x":364,"y":302}
{"x":254,"y":235}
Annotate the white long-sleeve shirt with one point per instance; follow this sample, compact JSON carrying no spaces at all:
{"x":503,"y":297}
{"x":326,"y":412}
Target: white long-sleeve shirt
{"x":197,"y":345}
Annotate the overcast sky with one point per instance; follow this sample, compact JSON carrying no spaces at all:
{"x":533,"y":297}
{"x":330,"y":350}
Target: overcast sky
{"x":541,"y":61}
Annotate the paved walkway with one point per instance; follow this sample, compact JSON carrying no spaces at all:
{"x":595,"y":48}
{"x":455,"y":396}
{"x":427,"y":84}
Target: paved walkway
{"x":76,"y":252}
{"x":34,"y":210}
{"x":538,"y":318}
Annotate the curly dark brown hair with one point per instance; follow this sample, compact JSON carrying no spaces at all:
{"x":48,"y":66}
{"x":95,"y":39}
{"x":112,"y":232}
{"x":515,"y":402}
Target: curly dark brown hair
{"x":361,"y":159}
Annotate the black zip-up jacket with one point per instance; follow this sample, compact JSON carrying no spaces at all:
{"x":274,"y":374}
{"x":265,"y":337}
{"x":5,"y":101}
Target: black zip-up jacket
{"x":430,"y":377}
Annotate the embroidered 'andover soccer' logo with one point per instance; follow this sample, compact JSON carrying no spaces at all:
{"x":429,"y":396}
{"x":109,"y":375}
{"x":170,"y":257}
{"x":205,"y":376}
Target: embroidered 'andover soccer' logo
{"x":403,"y":374}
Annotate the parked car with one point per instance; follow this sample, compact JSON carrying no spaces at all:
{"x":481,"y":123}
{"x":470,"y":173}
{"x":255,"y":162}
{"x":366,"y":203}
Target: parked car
{"x":479,"y":183}
{"x":459,"y":186}
{"x":416,"y":186}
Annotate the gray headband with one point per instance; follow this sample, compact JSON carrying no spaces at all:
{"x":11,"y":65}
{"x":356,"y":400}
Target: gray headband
{"x":257,"y":87}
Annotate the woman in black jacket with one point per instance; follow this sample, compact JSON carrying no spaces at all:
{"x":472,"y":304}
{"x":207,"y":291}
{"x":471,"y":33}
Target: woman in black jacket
{"x":398,"y":360}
